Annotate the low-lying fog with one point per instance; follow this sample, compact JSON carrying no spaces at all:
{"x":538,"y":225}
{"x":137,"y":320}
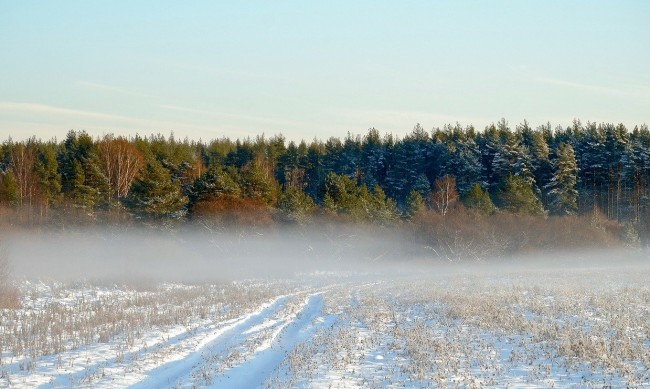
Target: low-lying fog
{"x":201,"y":254}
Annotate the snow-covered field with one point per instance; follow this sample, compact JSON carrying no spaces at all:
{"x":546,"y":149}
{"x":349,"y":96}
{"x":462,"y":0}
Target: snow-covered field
{"x":562,"y":328}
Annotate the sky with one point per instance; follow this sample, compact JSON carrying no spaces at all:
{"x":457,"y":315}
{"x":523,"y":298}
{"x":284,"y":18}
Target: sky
{"x":212,"y":69}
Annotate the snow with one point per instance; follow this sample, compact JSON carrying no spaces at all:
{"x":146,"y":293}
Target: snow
{"x":464,"y":330}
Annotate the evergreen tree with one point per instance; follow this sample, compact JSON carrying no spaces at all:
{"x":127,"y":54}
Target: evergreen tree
{"x":373,"y":159}
{"x":296,"y":205}
{"x":489,"y":143}
{"x":562,"y":188}
{"x":154,"y":194}
{"x":255,"y":184}
{"x":81,"y":177}
{"x":380,"y":208}
{"x":479,"y":200}
{"x":10,"y":193}
{"x":49,"y":179}
{"x":341,"y":193}
{"x":315,"y":169}
{"x":636,"y":172}
{"x":214,"y":183}
{"x":463,"y":162}
{"x":517,"y":196}
{"x":415,"y":205}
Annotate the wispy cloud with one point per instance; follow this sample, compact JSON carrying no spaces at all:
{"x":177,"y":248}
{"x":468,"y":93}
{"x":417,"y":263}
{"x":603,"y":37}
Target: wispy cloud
{"x":25,"y":117}
{"x":112,"y":89}
{"x":250,"y":118}
{"x":49,"y":109}
{"x":586,"y":87}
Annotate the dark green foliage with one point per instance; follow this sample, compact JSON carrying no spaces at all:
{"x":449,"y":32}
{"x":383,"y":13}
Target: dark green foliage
{"x":215,"y":182}
{"x":82,"y":180}
{"x":9,"y":191}
{"x":415,"y":204}
{"x":378,"y":206}
{"x":296,"y":205}
{"x":479,"y":200}
{"x":340,"y":194}
{"x":255,"y":184}
{"x":46,"y":168}
{"x":562,"y":187}
{"x":517,"y":196}
{"x":364,"y":177}
{"x":155,"y":195}
{"x":344,"y":196}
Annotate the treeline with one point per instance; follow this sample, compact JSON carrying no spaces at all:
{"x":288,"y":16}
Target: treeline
{"x":574,"y":170}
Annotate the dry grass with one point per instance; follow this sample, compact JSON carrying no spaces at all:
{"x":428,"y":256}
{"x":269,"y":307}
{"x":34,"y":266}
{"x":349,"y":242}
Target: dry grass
{"x":9,"y":295}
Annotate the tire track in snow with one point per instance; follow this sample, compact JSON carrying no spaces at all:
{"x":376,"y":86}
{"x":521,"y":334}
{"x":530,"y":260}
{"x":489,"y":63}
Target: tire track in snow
{"x":255,"y":371}
{"x":173,"y":372}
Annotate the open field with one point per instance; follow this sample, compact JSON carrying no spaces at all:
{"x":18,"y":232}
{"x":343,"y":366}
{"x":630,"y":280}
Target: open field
{"x":517,"y":328}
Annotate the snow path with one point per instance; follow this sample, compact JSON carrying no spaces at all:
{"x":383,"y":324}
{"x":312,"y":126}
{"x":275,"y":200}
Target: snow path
{"x":219,"y":342}
{"x":253,"y":372}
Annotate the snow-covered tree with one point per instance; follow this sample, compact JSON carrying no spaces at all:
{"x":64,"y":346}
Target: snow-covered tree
{"x":463,"y":162}
{"x":562,"y":187}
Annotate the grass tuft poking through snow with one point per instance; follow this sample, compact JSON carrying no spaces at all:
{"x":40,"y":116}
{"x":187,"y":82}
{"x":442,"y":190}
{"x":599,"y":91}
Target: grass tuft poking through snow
{"x":587,"y":328}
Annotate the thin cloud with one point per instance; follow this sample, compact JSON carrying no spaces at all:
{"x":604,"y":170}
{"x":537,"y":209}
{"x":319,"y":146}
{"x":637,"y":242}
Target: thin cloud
{"x":42,"y":108}
{"x":110,"y":88}
{"x":106,"y":120}
{"x":245,"y":118}
{"x":402,"y":121}
{"x":586,"y":87}
{"x":228,"y":72}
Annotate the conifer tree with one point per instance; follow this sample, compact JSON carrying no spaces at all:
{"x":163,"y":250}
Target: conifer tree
{"x":517,"y":196}
{"x":256,"y":185}
{"x":10,"y":193}
{"x":214,"y":183}
{"x":415,"y":204}
{"x":154,"y":194}
{"x":479,"y":200}
{"x":49,"y":179}
{"x":296,"y":205}
{"x":562,"y":188}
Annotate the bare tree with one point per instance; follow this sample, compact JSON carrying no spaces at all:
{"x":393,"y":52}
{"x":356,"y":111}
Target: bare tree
{"x":121,"y":162}
{"x":22,"y":164}
{"x":444,"y":194}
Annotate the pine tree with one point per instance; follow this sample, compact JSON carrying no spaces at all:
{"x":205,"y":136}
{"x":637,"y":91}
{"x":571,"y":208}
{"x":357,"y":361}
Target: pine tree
{"x":49,"y":179}
{"x":154,"y":194}
{"x":10,"y":192}
{"x":341,"y":193}
{"x":517,"y":196}
{"x":296,"y":205}
{"x":562,"y":188}
{"x":636,"y":172}
{"x":255,"y":184}
{"x":382,"y":209}
{"x":82,"y":180}
{"x":479,"y":200}
{"x":463,"y":162}
{"x":415,"y":205}
{"x":214,"y":183}
{"x":373,"y":159}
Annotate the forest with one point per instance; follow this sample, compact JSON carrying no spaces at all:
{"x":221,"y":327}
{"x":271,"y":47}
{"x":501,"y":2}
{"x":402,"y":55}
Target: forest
{"x":596,"y":175}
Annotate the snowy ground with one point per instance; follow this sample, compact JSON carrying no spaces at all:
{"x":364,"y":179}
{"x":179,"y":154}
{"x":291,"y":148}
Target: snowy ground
{"x":572,"y":328}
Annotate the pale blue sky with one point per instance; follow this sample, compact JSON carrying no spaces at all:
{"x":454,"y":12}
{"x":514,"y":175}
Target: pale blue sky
{"x":207,"y":69}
